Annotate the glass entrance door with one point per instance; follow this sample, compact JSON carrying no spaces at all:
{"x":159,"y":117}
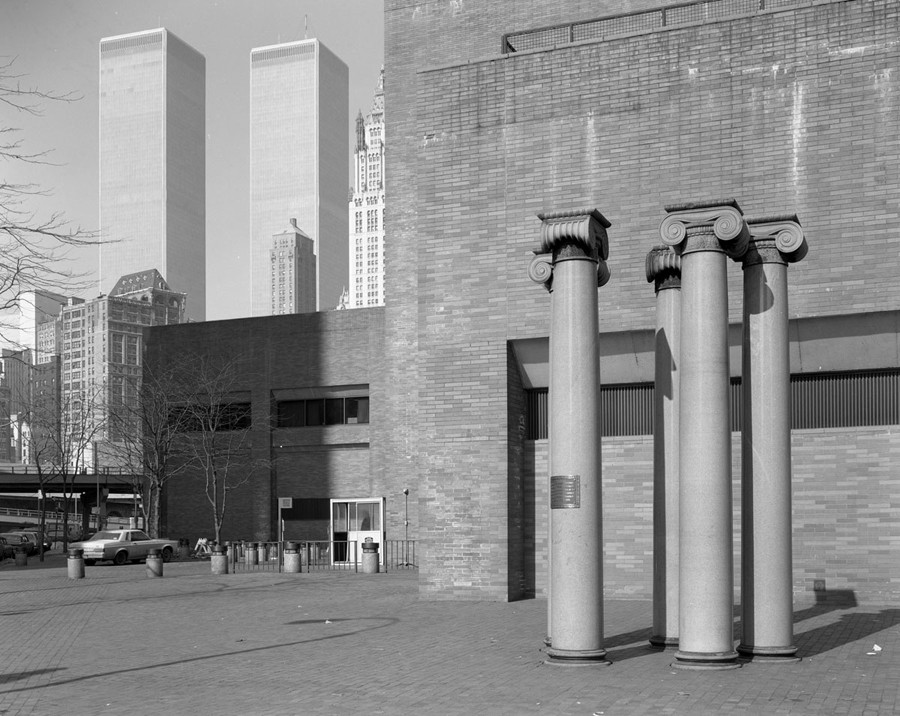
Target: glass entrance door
{"x":352,"y":521}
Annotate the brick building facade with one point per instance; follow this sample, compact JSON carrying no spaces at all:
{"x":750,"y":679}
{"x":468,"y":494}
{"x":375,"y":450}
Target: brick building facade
{"x":789,"y":109}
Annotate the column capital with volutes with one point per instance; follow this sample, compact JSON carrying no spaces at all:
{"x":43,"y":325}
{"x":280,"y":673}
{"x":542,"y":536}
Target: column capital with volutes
{"x":663,"y":268}
{"x":705,"y":226}
{"x":775,"y":239}
{"x":571,"y":236}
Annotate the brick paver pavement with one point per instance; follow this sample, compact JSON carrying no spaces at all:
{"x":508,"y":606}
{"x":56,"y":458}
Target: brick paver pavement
{"x":341,"y":643}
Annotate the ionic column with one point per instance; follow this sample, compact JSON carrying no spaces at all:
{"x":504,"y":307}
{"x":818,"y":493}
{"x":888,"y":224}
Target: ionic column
{"x":767,"y":624}
{"x":572,"y":264}
{"x":664,"y":271}
{"x":703,"y":234}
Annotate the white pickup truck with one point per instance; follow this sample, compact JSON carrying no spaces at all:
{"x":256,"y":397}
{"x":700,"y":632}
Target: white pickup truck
{"x":121,"y":546}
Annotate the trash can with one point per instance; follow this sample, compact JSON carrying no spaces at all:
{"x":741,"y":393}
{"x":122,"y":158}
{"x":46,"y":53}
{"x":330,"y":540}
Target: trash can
{"x":291,"y":558}
{"x":75,"y":564}
{"x":154,"y":563}
{"x":370,"y":556}
{"x":21,"y":556}
{"x":218,"y":560}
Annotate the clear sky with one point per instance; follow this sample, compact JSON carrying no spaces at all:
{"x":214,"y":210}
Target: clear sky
{"x":55,"y":44}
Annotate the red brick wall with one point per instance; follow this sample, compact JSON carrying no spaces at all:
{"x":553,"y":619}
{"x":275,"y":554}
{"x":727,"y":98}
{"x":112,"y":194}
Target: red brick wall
{"x":336,"y":348}
{"x":788,"y":112}
{"x":846,"y":529}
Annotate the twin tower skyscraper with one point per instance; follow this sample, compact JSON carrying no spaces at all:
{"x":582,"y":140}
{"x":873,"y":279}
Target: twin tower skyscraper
{"x":153,"y":162}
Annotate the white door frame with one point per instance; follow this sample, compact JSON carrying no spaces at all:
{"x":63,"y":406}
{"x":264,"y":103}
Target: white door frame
{"x":353,"y":531}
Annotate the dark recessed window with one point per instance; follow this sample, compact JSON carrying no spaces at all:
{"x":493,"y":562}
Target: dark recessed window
{"x":818,"y":401}
{"x":322,"y":411}
{"x":291,"y":414}
{"x":315,"y":412}
{"x":334,"y":411}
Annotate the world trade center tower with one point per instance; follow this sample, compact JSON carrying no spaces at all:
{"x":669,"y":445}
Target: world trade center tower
{"x":299,"y":163}
{"x":153,"y":162}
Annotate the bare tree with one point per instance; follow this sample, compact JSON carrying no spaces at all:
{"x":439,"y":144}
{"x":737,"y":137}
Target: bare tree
{"x":217,"y":439}
{"x":34,"y":248}
{"x":146,"y":431}
{"x":61,"y":433}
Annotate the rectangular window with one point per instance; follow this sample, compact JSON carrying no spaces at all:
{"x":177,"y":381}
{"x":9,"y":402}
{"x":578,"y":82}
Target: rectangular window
{"x":818,"y":401}
{"x":315,"y":412}
{"x":291,"y":414}
{"x":322,"y":411}
{"x":334,"y":411}
{"x":357,"y":410}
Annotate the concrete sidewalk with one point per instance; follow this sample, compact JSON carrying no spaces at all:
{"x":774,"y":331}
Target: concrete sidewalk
{"x":342,"y":643}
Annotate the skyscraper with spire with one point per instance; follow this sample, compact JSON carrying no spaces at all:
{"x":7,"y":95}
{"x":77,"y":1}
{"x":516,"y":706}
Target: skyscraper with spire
{"x":153,"y":162}
{"x":367,"y":207}
{"x":298,"y":163}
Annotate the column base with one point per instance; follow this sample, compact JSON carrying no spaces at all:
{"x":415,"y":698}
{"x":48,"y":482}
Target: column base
{"x":576,"y":657}
{"x":663,"y":642}
{"x":769,"y":654}
{"x":706,"y":661}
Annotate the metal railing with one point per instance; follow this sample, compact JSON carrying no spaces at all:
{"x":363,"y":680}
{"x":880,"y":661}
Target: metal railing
{"x":318,"y":555}
{"x":17,"y":468}
{"x":255,"y":557}
{"x":399,"y":554}
{"x":639,"y":21}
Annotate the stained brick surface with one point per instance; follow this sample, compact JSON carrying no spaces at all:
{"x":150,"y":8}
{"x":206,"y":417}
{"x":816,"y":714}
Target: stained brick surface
{"x":283,"y":353}
{"x":791,"y":111}
{"x":846,"y":498}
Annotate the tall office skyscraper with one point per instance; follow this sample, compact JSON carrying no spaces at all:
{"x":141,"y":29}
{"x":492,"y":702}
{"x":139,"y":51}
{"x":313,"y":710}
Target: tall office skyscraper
{"x":153,"y":162}
{"x":298,"y":162}
{"x":367,"y":207}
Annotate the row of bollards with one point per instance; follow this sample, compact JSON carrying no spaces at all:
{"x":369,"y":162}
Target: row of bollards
{"x":220,"y":557}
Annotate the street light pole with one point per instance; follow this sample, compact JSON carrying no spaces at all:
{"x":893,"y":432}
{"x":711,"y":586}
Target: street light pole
{"x":406,"y":527}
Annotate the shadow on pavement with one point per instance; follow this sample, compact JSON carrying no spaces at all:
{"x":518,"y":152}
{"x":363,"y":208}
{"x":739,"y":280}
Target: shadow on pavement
{"x":19,"y":675}
{"x":383,"y":623}
{"x":847,"y":629}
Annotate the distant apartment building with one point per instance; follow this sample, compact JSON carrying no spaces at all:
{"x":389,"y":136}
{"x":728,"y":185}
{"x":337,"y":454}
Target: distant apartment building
{"x":101,"y":361}
{"x":367,"y":207}
{"x":293,"y":272}
{"x":31,"y":309}
{"x":15,"y":400}
{"x":50,"y":339}
{"x":153,"y":162}
{"x":298,"y":162}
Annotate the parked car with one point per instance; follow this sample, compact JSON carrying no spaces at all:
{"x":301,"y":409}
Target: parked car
{"x":6,"y":552}
{"x":34,"y":536}
{"x":121,"y":546}
{"x":15,"y":540}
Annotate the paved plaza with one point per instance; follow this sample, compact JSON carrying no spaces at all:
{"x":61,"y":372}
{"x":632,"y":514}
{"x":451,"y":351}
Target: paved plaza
{"x":119,"y":642}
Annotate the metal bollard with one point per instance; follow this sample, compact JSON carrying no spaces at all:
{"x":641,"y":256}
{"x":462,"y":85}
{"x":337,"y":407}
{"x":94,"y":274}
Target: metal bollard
{"x":21,"y":557}
{"x":252,"y":553}
{"x":218,"y":560}
{"x":370,"y":556}
{"x":75,"y":563}
{"x":154,"y":564}
{"x":184,"y":548}
{"x":291,"y":558}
